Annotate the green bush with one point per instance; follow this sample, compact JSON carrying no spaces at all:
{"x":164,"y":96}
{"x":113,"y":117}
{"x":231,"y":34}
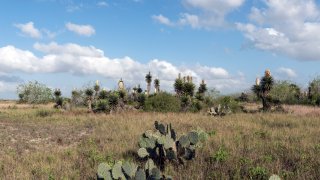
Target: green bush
{"x":259,"y":173}
{"x":34,"y":93}
{"x":228,"y":101}
{"x":163,"y":102}
{"x":102,"y":105}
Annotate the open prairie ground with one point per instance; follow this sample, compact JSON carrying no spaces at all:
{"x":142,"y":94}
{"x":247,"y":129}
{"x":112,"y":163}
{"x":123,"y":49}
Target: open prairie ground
{"x":38,"y":142}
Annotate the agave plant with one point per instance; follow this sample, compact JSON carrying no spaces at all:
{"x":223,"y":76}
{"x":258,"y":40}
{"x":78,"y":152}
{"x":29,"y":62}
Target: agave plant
{"x":148,"y":80}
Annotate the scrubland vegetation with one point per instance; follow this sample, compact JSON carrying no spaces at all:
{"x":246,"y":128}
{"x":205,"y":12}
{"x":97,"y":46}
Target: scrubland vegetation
{"x":269,"y":132}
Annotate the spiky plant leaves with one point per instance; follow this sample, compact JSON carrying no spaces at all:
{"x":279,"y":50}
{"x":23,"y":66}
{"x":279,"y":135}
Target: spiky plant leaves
{"x":184,"y":141}
{"x":193,"y":137}
{"x":142,"y":153}
{"x":89,"y":92}
{"x":117,"y":171}
{"x":274,"y":177}
{"x":149,"y":166}
{"x":104,"y":171}
{"x":129,"y":169}
{"x":178,"y":86}
{"x":147,"y":142}
{"x":140,"y":175}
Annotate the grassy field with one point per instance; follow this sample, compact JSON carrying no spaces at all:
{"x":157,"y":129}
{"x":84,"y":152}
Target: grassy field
{"x":38,"y":142}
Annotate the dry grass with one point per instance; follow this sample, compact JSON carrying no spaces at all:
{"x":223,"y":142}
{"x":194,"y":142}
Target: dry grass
{"x":41,"y":143}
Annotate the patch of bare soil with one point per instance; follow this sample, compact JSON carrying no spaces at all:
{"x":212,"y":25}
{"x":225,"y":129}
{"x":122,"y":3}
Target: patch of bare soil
{"x":26,"y":137}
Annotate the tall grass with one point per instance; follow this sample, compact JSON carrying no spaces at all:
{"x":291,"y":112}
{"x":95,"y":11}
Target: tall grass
{"x":70,"y":145}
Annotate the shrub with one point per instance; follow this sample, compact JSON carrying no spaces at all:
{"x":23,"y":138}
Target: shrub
{"x":163,"y":102}
{"x":102,"y":105}
{"x":34,"y":93}
{"x":43,"y":113}
{"x":230,"y":102}
{"x":259,"y":173}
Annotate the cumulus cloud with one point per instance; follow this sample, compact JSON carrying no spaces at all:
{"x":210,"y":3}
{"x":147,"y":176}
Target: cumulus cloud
{"x":88,"y":60}
{"x":29,"y":30}
{"x":162,"y":19}
{"x":210,"y":13}
{"x":83,"y":30}
{"x":287,"y":27}
{"x":290,"y":73}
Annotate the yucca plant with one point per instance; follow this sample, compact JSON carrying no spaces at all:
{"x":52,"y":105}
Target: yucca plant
{"x":178,"y":86}
{"x":188,"y":89}
{"x":262,"y":89}
{"x":148,"y":80}
{"x":89,"y":93}
{"x":58,"y":98}
{"x":96,"y":88}
{"x":157,"y":85}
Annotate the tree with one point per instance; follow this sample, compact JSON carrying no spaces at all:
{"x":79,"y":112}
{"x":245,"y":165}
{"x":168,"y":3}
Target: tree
{"x":148,"y":80}
{"x":34,"y":93}
{"x":262,"y":90}
{"x":285,"y":92}
{"x":188,"y":89}
{"x":202,"y":88}
{"x":314,"y":91}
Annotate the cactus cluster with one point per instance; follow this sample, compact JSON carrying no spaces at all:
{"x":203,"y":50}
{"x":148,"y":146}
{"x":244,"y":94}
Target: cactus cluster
{"x":129,"y":170}
{"x":157,"y":147}
{"x":162,"y":145}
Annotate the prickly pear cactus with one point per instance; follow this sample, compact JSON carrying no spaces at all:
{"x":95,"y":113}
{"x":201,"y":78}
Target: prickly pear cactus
{"x":161,"y":145}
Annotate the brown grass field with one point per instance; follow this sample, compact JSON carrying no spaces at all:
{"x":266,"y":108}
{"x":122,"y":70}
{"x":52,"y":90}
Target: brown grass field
{"x":38,"y":142}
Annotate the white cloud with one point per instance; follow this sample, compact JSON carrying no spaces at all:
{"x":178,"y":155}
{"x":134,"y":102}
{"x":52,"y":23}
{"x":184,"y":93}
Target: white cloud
{"x":102,"y":4}
{"x":287,"y":27}
{"x":290,"y":73}
{"x":7,"y":86}
{"x":84,"y":30}
{"x":162,"y":19}
{"x":28,"y":29}
{"x":209,"y":13}
{"x":88,"y":60}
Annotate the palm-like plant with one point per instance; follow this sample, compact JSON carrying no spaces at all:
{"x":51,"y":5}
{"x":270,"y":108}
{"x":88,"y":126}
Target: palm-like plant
{"x":202,"y":88}
{"x":96,"y":88}
{"x":178,"y":86}
{"x":188,"y":89}
{"x":148,"y":80}
{"x":89,"y":93}
{"x":157,"y":85}
{"x":262,"y":89}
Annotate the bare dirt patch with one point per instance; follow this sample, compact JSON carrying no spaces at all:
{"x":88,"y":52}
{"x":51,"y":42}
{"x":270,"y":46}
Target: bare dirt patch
{"x":25,"y":137}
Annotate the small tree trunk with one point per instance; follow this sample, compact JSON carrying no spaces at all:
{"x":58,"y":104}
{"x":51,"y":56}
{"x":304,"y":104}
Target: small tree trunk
{"x":89,"y":104}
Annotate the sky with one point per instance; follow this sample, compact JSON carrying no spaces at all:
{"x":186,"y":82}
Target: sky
{"x":69,"y":44}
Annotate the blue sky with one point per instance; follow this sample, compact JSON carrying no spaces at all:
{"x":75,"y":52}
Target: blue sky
{"x":69,"y":43}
